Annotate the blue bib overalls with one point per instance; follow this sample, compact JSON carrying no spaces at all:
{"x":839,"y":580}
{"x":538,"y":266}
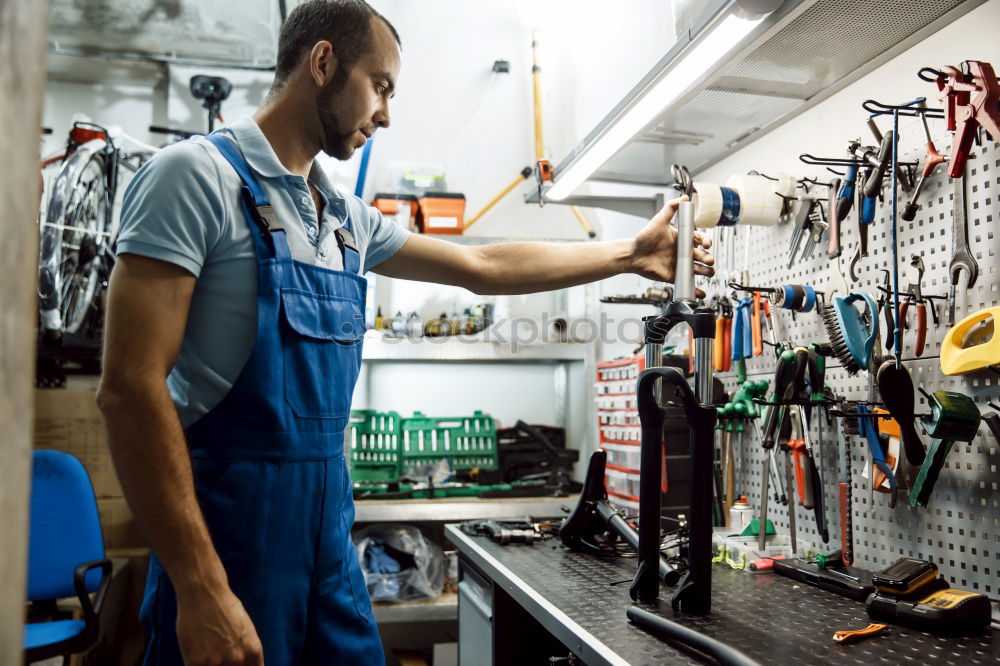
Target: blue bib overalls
{"x":269,"y":467}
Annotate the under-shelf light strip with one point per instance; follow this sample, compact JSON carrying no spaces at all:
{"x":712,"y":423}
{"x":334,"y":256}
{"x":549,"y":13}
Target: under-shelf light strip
{"x":722,"y":39}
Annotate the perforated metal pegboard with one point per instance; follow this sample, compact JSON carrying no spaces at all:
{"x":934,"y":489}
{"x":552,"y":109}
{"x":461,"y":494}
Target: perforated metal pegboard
{"x":960,"y":527}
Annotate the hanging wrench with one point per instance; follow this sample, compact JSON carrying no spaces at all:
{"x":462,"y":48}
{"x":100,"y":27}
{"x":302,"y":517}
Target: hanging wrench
{"x":961,"y":258}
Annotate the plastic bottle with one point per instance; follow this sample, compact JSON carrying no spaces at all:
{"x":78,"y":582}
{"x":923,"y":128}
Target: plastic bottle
{"x":740,"y":514}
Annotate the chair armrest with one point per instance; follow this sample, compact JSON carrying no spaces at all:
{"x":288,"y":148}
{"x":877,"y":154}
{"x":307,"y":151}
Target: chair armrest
{"x":91,"y":610}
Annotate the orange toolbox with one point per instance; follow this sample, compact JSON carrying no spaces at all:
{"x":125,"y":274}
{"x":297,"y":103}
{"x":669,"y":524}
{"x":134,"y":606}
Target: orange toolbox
{"x":396,"y":205}
{"x":441,"y":213}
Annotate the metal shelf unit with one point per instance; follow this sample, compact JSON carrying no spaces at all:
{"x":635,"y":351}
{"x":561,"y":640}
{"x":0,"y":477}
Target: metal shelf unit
{"x":450,"y":510}
{"x":442,"y":609}
{"x":463,"y":349}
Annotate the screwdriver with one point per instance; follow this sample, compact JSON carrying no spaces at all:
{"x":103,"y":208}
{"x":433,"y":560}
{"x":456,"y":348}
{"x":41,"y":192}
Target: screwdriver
{"x":845,"y":199}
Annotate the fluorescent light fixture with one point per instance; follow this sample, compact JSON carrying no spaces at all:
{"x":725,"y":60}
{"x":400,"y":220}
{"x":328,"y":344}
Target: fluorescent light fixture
{"x":722,"y":38}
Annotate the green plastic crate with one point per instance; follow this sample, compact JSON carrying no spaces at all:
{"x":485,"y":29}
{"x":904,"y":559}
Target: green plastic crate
{"x":373,"y":439}
{"x":466,"y":441}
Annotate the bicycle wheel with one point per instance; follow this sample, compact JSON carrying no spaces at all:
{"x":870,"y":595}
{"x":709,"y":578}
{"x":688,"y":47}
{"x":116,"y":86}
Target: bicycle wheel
{"x":75,"y":244}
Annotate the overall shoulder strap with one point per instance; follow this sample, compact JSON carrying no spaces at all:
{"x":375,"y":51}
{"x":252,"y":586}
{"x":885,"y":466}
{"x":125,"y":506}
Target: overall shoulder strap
{"x":233,"y":156}
{"x":349,"y":249}
{"x":256,"y":205}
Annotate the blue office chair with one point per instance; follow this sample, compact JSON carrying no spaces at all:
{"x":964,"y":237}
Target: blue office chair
{"x":65,"y":557}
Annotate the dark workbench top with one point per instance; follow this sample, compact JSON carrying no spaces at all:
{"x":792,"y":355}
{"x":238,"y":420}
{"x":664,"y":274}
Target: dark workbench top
{"x":768,"y":617}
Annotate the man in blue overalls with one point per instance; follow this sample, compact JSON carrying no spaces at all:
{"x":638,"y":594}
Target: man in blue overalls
{"x":233,"y":343}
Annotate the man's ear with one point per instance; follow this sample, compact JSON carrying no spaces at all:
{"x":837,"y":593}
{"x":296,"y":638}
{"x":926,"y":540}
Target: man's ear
{"x":322,"y":63}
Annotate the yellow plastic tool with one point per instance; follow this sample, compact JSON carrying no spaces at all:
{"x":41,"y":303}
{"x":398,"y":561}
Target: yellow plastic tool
{"x":957,"y":359}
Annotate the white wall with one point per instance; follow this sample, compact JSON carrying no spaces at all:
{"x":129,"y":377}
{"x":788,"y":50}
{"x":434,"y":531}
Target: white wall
{"x":129,"y":105}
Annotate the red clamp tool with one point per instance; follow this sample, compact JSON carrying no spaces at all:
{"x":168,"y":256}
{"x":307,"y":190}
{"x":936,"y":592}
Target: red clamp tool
{"x":970,"y":101}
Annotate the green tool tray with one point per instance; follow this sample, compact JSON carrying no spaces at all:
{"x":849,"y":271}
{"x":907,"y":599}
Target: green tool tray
{"x":383,"y":444}
{"x":466,"y":441}
{"x":373,"y":439}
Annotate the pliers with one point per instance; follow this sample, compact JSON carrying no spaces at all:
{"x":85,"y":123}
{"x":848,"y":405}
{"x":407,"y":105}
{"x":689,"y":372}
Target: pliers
{"x":915,"y":295}
{"x":797,"y":445}
{"x":723,"y":335}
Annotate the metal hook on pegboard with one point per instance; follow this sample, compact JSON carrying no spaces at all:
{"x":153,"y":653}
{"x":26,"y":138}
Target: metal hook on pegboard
{"x":913,"y":109}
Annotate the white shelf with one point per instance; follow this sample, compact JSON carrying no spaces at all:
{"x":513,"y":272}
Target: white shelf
{"x":442,"y":609}
{"x":462,"y":349}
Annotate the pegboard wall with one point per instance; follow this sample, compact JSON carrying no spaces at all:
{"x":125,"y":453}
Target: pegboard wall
{"x":960,"y":527}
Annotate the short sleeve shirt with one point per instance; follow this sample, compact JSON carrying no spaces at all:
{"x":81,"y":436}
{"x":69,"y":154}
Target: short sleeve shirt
{"x":183,"y":207}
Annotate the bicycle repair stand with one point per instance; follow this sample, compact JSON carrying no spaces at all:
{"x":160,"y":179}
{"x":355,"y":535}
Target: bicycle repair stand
{"x":694,"y":595}
{"x":593,"y":517}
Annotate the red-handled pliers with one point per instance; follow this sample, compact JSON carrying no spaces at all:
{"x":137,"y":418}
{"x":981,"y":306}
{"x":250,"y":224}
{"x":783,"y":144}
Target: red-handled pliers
{"x":915,"y":295}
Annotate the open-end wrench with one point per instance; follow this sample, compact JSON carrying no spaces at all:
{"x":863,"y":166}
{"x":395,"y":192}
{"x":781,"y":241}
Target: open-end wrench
{"x":961,"y":257}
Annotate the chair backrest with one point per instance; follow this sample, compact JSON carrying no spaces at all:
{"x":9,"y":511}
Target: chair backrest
{"x":65,"y":526}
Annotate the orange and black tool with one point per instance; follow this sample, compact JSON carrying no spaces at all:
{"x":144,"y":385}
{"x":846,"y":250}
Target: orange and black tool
{"x":889,"y":427}
{"x":798,"y":449}
{"x":803,"y":461}
{"x":543,"y":172}
{"x":758,"y":339}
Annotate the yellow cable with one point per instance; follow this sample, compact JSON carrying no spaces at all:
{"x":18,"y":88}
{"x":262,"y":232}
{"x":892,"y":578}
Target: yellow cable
{"x":583,"y":221}
{"x":524,"y":174}
{"x":536,"y":76}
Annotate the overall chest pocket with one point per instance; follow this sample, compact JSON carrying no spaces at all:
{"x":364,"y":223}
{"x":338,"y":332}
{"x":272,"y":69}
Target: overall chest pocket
{"x":321,"y":343}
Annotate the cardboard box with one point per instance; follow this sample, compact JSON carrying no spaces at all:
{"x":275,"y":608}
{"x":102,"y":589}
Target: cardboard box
{"x":123,"y":640}
{"x":69,"y":420}
{"x":117,"y":524}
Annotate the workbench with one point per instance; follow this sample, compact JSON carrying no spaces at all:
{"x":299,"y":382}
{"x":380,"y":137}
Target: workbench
{"x":543,"y":600}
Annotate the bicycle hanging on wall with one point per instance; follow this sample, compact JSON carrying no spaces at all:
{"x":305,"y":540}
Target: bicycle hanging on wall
{"x":76,"y":231}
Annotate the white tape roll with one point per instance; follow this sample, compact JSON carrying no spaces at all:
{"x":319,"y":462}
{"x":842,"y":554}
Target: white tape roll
{"x":785,"y":187}
{"x":759,"y":205}
{"x":707,"y":200}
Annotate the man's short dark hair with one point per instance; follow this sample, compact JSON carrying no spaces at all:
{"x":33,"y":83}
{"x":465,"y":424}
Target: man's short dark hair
{"x":346,"y":24}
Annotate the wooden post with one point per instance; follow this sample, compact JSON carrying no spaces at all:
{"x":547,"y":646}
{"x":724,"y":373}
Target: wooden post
{"x":23,"y":32}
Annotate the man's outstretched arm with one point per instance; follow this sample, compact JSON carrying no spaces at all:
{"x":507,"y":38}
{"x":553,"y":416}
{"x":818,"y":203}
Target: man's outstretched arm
{"x":518,"y":268}
{"x":148,"y":304}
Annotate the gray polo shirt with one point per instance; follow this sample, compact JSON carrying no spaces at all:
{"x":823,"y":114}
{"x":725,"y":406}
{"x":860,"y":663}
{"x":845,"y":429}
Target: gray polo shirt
{"x":183,"y":207}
